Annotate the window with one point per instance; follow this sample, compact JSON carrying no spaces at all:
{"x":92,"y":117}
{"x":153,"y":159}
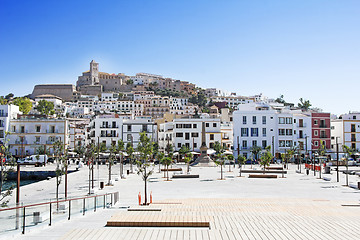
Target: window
{"x":282,"y":132}
{"x":244,"y":119}
{"x":195,"y":145}
{"x":316,"y":143}
{"x":353,"y":137}
{"x":129,"y":128}
{"x":211,"y":145}
{"x":353,"y":146}
{"x":353,"y":128}
{"x":129,"y":138}
{"x":37,"y":128}
{"x":178,"y":135}
{"x":1,"y":133}
{"x":288,"y":132}
{"x":187,"y":136}
{"x":288,"y":120}
{"x":254,"y":119}
{"x":254,"y":132}
{"x":207,"y":124}
{"x":316,"y":133}
{"x":214,"y":124}
{"x":282,"y":143}
{"x":22,"y":129}
{"x":244,"y":144}
{"x":254,"y":143}
{"x":187,"y":145}
{"x":194,"y":125}
{"x":288,"y":143}
{"x":244,"y":132}
{"x":37,"y":139}
{"x":315,"y":122}
{"x":264,"y":132}
{"x":179,"y":145}
{"x":195,"y":134}
{"x":264,"y":143}
{"x":281,"y":120}
{"x":263,"y":119}
{"x":354,"y":117}
{"x":211,"y":136}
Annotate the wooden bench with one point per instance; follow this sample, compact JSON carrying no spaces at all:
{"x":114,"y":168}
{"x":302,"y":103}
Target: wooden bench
{"x":171,"y":169}
{"x":274,"y":168}
{"x":262,"y":176}
{"x":186,"y":176}
{"x":262,"y":171}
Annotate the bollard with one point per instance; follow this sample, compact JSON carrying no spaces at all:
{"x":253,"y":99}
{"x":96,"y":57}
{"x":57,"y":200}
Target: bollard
{"x":139,"y":196}
{"x":150,"y":197}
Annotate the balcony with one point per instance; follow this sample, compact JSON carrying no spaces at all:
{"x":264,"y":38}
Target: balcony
{"x":323,"y":136}
{"x":50,"y":142}
{"x":52,"y":131}
{"x":109,"y":135}
{"x":109,"y":126}
{"x":20,"y":142}
{"x":3,"y":115}
{"x":323,"y":126}
{"x":301,"y":125}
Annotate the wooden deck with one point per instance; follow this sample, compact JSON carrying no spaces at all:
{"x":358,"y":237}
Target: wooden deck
{"x":234,"y":219}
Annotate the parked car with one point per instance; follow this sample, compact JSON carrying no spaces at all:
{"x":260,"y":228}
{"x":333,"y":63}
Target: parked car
{"x":34,"y":159}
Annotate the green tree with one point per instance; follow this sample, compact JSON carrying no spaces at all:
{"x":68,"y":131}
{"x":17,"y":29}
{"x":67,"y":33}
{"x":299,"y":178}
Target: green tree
{"x":89,"y":158}
{"x":113,"y":150}
{"x":304,"y":104}
{"x":160,"y":156}
{"x":220,"y":161}
{"x":3,"y":101}
{"x":266,"y":158}
{"x":285,"y":157}
{"x":145,"y":148}
{"x":24,"y":104}
{"x":6,"y":167}
{"x":129,"y":82}
{"x":60,"y":159}
{"x":241,"y":161}
{"x":45,"y":107}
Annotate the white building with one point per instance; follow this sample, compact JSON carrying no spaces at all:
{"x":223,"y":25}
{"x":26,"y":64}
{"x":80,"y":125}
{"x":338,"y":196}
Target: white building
{"x":78,"y":132}
{"x":7,"y":113}
{"x":261,"y":124}
{"x":233,"y":101}
{"x":346,"y":129}
{"x":188,"y":132}
{"x":28,"y":133}
{"x":110,"y":128}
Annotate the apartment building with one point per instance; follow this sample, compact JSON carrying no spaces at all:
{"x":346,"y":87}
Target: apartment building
{"x":110,"y":128}
{"x":232,"y":101}
{"x":263,"y":124}
{"x":346,"y":129}
{"x":29,"y":132}
{"x":7,"y":113}
{"x":320,"y":130}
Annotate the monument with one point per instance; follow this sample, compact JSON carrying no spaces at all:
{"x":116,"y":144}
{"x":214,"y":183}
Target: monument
{"x":203,"y":160}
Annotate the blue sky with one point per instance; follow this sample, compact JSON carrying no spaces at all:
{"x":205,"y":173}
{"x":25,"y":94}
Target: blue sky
{"x":300,"y":48}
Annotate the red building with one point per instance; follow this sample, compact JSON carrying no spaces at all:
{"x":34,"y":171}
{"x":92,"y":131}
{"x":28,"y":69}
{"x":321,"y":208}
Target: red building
{"x":320,"y":130}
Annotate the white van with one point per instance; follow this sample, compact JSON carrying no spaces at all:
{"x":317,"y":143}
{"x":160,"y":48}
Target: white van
{"x":34,"y":159}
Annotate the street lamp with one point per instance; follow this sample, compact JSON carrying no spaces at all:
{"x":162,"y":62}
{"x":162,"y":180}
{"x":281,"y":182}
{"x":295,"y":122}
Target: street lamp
{"x":337,"y":159}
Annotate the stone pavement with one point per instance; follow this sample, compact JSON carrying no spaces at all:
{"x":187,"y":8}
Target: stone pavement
{"x":295,"y":207}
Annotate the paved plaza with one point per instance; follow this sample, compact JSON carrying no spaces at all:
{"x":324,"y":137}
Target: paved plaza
{"x":299,"y":206}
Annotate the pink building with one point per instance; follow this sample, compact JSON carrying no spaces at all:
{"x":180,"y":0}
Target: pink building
{"x":320,"y":130}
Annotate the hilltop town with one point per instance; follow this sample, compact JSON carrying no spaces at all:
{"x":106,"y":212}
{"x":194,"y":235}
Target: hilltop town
{"x":105,"y":108}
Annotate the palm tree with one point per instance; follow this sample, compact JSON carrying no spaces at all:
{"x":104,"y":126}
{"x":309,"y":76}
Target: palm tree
{"x":167,"y":161}
{"x":184,"y":150}
{"x":304,"y":104}
{"x":220,"y":161}
{"x":120,"y":148}
{"x":188,"y":157}
{"x":241,"y":160}
{"x":230,"y":158}
{"x":58,"y":149}
{"x":160,"y":157}
{"x":89,"y":157}
{"x":266,"y":158}
{"x":255,"y":150}
{"x":113,"y":150}
{"x":130,"y":153}
{"x":349,"y":152}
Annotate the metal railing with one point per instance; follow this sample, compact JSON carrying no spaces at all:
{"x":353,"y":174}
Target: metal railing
{"x":22,"y":217}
